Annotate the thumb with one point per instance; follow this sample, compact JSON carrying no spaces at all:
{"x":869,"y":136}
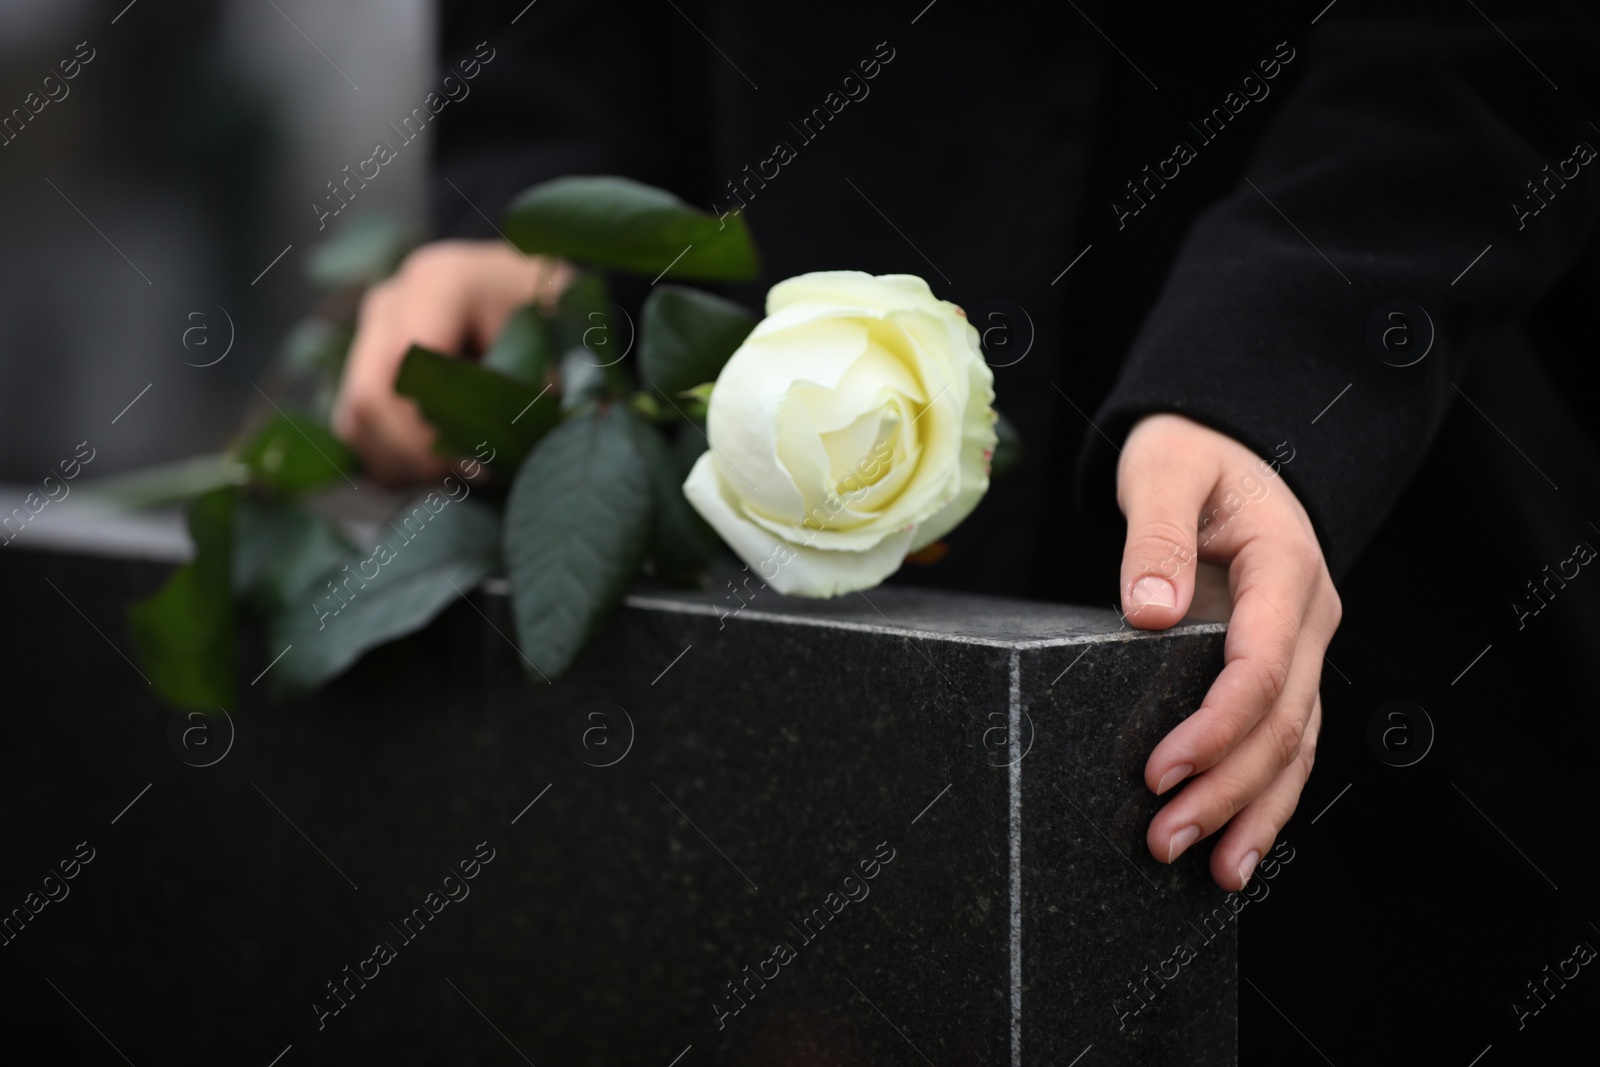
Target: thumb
{"x":1162,"y":497}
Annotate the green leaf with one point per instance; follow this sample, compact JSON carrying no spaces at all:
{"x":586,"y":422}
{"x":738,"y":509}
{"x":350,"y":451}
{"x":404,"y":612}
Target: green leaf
{"x":577,"y":526}
{"x":700,"y":395}
{"x":315,"y":351}
{"x":694,"y":405}
{"x":1008,"y":448}
{"x":614,"y":222}
{"x":168,"y":483}
{"x":524,"y":349}
{"x":647,"y":407}
{"x":582,"y":382}
{"x":279,"y":548}
{"x":294,"y":453}
{"x":689,"y":444}
{"x":183,"y":635}
{"x":470,"y":404}
{"x":584,"y":322}
{"x":583,"y":317}
{"x":681,"y":543}
{"x":315,"y":344}
{"x":389,"y":590}
{"x":686,"y":337}
{"x":361,"y":250}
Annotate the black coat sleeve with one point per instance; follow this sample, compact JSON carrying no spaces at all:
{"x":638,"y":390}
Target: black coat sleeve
{"x":1403,"y":153}
{"x":573,"y":87}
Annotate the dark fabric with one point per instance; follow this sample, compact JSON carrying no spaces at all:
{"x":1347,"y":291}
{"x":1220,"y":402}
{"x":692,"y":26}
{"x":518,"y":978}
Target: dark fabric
{"x":1384,"y":154}
{"x":985,"y":154}
{"x":963,"y":178}
{"x":1398,"y":157}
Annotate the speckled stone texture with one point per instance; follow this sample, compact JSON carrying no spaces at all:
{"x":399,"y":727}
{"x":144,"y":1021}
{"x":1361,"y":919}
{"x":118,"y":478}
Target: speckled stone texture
{"x":981,"y":759}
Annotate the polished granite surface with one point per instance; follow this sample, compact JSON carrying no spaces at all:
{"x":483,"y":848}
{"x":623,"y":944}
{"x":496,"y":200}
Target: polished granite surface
{"x":896,"y":828}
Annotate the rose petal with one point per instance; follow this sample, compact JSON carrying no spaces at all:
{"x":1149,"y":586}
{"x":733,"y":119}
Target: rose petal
{"x":978,"y":439}
{"x":793,"y":569}
{"x":743,"y":423}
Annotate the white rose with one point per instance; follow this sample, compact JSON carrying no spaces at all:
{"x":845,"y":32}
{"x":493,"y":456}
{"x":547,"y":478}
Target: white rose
{"x":852,"y":427}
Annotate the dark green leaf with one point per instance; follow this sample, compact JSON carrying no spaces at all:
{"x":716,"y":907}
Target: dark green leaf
{"x":470,"y":404}
{"x":583,"y":317}
{"x":278,"y":549}
{"x":686,"y":336}
{"x":524,"y":349}
{"x":681,"y":543}
{"x":294,"y":453}
{"x":647,"y":407}
{"x":587,"y":320}
{"x":1008,"y":449}
{"x":614,"y":222}
{"x":582,"y":382}
{"x":577,"y":525}
{"x":183,"y":635}
{"x":387,"y":591}
{"x":361,"y":250}
{"x":169,"y":482}
{"x":690,"y":442}
{"x":694,"y":405}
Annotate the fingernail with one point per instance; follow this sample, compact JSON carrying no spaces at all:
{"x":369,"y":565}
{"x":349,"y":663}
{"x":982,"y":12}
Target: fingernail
{"x":1247,"y":867}
{"x":1174,"y":776}
{"x":1180,"y":841}
{"x":1151,"y":591}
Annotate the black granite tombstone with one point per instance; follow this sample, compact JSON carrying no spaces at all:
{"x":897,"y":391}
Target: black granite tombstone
{"x":894,"y":828}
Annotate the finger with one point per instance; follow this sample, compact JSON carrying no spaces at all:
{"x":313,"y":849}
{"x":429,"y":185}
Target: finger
{"x":1273,"y":583}
{"x":506,"y":281}
{"x":399,"y":444}
{"x":426,"y":303}
{"x":352,"y":407}
{"x":1161,"y":490}
{"x":458,"y":294}
{"x":1255,"y":829}
{"x":433,"y":304}
{"x":453,"y":297}
{"x":385,"y":428}
{"x":1214,"y":797}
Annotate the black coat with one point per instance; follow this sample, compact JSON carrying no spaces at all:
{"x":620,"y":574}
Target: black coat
{"x":1246,"y":218}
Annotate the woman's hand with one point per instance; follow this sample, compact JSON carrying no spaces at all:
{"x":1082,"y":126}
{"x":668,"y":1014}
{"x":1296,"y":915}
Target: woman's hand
{"x":453,"y":296}
{"x":1204,"y":510}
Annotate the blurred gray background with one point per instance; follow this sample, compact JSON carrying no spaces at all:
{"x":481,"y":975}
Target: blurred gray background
{"x":195,"y":141}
